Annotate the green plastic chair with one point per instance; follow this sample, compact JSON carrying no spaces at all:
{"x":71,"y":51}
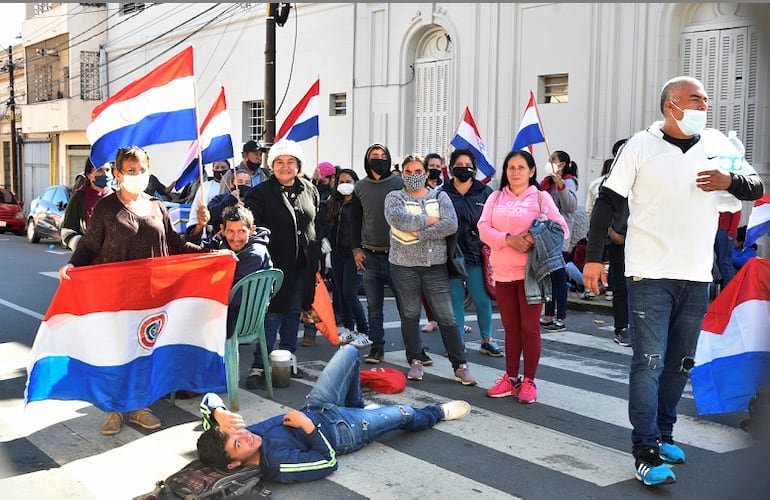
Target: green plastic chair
{"x":256,"y":289}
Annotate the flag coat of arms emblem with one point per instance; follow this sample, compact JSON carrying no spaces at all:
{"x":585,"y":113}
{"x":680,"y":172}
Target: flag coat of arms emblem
{"x":123,"y":335}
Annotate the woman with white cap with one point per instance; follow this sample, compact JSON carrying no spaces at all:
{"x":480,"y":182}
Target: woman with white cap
{"x":288,"y":205}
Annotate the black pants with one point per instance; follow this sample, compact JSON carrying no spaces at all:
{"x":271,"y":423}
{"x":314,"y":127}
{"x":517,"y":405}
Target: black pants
{"x":617,"y":255}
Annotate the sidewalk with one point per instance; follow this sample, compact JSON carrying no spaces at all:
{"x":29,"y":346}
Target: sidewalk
{"x":598,"y":304}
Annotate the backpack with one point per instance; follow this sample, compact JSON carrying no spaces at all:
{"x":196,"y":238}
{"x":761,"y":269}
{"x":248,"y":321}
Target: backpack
{"x":196,"y":480}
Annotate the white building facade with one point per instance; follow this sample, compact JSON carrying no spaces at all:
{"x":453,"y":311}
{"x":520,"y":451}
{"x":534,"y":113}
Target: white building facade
{"x":403,"y":73}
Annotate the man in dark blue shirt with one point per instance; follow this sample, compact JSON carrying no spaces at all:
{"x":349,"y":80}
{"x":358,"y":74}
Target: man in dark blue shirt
{"x":302,"y":445}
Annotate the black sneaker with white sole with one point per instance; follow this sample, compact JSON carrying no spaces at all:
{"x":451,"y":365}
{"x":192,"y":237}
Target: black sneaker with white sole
{"x":256,"y":378}
{"x":623,"y":338}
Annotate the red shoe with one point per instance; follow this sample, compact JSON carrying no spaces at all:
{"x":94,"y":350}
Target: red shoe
{"x":504,"y":387}
{"x":527,"y":391}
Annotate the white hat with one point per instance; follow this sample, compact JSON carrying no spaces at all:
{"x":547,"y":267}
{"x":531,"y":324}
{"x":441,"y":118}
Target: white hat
{"x":285,"y":147}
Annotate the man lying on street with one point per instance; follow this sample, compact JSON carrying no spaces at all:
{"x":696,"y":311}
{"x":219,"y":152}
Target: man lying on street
{"x":302,"y":445}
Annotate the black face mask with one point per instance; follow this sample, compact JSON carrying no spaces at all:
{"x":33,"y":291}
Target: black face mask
{"x":242,"y":190}
{"x":218,"y":174}
{"x":252,"y":165}
{"x":323,"y":188}
{"x":462,"y":174}
{"x":379,"y":166}
{"x":434,"y":173}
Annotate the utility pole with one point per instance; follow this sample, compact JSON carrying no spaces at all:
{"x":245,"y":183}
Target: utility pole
{"x":272,"y":11}
{"x":12,"y":104}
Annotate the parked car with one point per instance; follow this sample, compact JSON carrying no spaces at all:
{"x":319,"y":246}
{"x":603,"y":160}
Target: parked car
{"x":11,"y":212}
{"x":46,"y":213}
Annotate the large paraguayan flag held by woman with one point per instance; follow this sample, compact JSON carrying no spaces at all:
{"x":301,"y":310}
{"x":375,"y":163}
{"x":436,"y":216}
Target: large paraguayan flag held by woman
{"x":156,"y":109}
{"x":123,"y":335}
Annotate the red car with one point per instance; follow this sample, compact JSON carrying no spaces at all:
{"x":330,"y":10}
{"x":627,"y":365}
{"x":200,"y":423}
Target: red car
{"x":11,"y":213}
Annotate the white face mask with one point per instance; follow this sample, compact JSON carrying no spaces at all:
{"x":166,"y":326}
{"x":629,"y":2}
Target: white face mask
{"x":135,"y":184}
{"x":693,"y":121}
{"x":346,"y":189}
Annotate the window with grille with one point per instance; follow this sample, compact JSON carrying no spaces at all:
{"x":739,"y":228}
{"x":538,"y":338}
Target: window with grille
{"x":338,"y":104}
{"x":555,"y":88}
{"x":41,"y":7}
{"x":41,"y":83}
{"x":130,"y":8}
{"x":89,"y":76}
{"x":726,"y":62}
{"x":254,"y":120}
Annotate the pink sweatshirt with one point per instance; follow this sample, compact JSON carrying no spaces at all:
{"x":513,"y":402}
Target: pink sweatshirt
{"x":505,"y":213}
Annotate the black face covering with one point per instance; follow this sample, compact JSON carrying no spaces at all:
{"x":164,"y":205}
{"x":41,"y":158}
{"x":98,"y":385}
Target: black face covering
{"x":242,"y":190}
{"x":462,"y":173}
{"x":434,"y":173}
{"x":218,"y":174}
{"x":252,"y":165}
{"x":379,"y":166}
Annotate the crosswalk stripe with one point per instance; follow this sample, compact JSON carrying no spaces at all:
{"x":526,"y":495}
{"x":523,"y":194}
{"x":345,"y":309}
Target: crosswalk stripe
{"x":692,"y":431}
{"x":398,"y":475}
{"x":526,"y":441}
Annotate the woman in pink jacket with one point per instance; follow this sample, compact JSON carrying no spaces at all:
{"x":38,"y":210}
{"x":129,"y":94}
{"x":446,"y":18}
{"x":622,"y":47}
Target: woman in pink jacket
{"x":504,"y":226}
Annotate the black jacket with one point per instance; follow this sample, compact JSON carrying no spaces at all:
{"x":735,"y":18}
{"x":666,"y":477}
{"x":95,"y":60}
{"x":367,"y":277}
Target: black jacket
{"x":294,"y":227}
{"x":468,"y":209}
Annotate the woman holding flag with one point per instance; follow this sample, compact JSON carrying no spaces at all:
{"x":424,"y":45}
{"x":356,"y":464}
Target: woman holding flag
{"x":129,"y":225}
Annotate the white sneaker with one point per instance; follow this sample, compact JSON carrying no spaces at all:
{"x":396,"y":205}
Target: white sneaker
{"x":346,"y":336}
{"x":455,"y":409}
{"x":361,"y":341}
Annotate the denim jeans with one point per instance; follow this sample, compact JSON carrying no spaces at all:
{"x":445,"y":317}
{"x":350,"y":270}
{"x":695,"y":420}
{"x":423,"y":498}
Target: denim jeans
{"x":557,"y":308}
{"x":336,"y":397}
{"x":723,"y":248}
{"x":573,"y":273}
{"x":346,"y":284}
{"x":481,"y":301}
{"x":666,"y":317}
{"x":433,"y":281}
{"x":287,"y":323}
{"x":376,"y":276}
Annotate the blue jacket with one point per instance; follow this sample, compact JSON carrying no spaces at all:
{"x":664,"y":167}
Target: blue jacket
{"x":287,"y":454}
{"x":544,"y":258}
{"x":468,"y":208}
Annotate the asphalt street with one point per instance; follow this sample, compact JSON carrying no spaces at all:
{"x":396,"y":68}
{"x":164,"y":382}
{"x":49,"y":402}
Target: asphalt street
{"x":574,"y":442}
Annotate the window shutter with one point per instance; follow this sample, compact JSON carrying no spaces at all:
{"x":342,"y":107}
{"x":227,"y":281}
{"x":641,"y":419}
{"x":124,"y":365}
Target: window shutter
{"x":431,"y":106}
{"x":752,"y":63}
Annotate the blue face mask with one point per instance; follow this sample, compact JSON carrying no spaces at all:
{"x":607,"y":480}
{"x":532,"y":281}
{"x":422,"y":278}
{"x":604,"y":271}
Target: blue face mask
{"x":101,"y":181}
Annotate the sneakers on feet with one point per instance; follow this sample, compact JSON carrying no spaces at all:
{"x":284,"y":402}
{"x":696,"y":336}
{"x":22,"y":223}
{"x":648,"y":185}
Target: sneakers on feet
{"x":424,"y":358}
{"x":361,"y":341}
{"x":113,"y":424}
{"x":587,"y":295}
{"x":608,"y":295}
{"x":415,"y":370}
{"x":556,"y":326}
{"x":543,"y":322}
{"x":527,"y":391}
{"x":651,"y":470}
{"x":376,"y":354}
{"x":346,"y":336}
{"x":490,"y":348}
{"x":463,"y":375}
{"x":623,"y":338}
{"x":307,"y":341}
{"x":455,"y":409}
{"x":144,"y":418}
{"x":430,"y":326}
{"x":467,"y":329}
{"x":504,"y":386}
{"x":256,"y":378}
{"x":671,"y":453}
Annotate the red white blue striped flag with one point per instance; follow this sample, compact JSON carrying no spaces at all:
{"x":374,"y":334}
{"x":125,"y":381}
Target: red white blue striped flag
{"x":123,"y":335}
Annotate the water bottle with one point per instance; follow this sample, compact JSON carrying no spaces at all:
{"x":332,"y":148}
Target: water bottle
{"x":731,"y":162}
